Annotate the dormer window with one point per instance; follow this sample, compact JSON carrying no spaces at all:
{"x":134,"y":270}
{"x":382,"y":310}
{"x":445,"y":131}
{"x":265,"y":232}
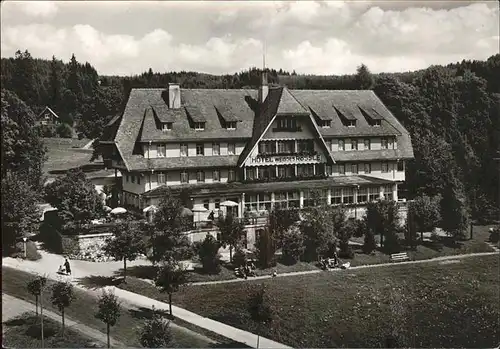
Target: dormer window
{"x":167,"y":126}
{"x":199,"y":126}
{"x":325,"y":123}
{"x":287,"y":123}
{"x":376,"y":122}
{"x":230,"y":125}
{"x":351,"y":123}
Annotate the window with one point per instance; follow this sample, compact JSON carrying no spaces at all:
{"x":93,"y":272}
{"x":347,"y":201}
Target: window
{"x":376,"y":123}
{"x":368,"y":168}
{"x":215,"y":148}
{"x":341,"y":144}
{"x":200,"y":176}
{"x":216,"y":176}
{"x":267,"y":147}
{"x":325,"y":123}
{"x":401,"y":166}
{"x":205,"y":204}
{"x":126,"y":176}
{"x":388,"y":193}
{"x":390,"y":143}
{"x":329,"y":144}
{"x":362,"y":195}
{"x":286,"y":171}
{"x":305,"y":145}
{"x":200,"y":149}
{"x":231,"y":176}
{"x":184,"y":149}
{"x":161,"y":178}
{"x":385,"y":167}
{"x":354,"y":144}
{"x":328,"y":170}
{"x":351,"y":123}
{"x":251,"y":173}
{"x":368,"y":144}
{"x":133,"y":178}
{"x":138,"y":179}
{"x":264,"y":202}
{"x":200,"y":126}
{"x":354,"y":168}
{"x":342,"y":169}
{"x":348,"y":197}
{"x":305,"y":170}
{"x":231,"y":125}
{"x":184,"y":177}
{"x":167,"y":126}
{"x":267,"y":172}
{"x":374,"y":193}
{"x":287,"y":123}
{"x":336,"y":198}
{"x":231,"y":148}
{"x":286,"y":147}
{"x":162,"y":150}
{"x":217,"y":204}
{"x":384,"y":143}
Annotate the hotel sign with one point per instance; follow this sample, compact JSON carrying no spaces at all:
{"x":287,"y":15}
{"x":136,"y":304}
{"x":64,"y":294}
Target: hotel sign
{"x":283,"y":159}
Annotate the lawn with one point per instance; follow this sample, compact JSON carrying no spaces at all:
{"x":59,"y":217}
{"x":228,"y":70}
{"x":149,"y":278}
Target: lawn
{"x":85,"y":306}
{"x":61,"y":154}
{"x":24,"y":332}
{"x":437,"y":304}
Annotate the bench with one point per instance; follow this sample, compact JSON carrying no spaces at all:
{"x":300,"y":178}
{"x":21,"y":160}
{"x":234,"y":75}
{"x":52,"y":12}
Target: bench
{"x":399,"y":257}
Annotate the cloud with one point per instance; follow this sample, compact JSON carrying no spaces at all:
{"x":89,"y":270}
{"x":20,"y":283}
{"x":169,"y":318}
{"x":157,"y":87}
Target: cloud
{"x":37,"y":8}
{"x":321,"y":37}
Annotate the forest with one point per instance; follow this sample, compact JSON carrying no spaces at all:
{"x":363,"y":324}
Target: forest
{"x":452,"y":112}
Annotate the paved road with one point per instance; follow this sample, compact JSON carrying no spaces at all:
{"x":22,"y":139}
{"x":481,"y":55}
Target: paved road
{"x":13,"y":307}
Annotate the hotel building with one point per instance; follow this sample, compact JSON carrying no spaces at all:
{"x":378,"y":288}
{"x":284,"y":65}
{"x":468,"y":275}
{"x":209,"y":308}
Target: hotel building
{"x":259,"y":148}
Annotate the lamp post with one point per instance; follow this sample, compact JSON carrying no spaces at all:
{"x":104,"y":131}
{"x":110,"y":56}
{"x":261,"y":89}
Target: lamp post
{"x":24,"y":245}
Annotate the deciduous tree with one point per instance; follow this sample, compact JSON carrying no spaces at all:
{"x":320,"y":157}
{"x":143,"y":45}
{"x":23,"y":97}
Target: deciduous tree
{"x":232,"y":232}
{"x":156,"y":332}
{"x":171,"y":276}
{"x":62,"y":296}
{"x":209,"y":255}
{"x":108,"y":311}
{"x":126,"y":244}
{"x":35,"y":287}
{"x":382,"y":217}
{"x":75,"y":198}
{"x":260,"y":309}
{"x":292,"y":245}
{"x":426,"y":212}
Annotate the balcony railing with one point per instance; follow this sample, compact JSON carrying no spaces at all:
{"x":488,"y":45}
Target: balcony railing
{"x":299,"y":153}
{"x":286,"y":178}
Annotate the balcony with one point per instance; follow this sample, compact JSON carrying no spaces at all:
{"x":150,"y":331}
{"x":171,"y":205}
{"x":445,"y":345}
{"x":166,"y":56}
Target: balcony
{"x":287,"y":129}
{"x":299,"y":153}
{"x":286,"y":179}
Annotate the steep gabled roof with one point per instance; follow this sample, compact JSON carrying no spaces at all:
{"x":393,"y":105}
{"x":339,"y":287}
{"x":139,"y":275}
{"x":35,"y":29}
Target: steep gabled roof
{"x":273,"y":107}
{"x":50,"y":110}
{"x":194,"y":113}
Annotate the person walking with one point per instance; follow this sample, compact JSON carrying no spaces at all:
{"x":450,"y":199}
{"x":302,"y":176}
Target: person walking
{"x":67,"y":266}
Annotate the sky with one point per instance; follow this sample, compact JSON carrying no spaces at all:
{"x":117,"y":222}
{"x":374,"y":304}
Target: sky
{"x":218,"y":37}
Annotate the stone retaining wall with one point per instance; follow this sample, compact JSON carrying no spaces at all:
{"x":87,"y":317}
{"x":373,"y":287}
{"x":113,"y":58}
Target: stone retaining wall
{"x":90,"y":247}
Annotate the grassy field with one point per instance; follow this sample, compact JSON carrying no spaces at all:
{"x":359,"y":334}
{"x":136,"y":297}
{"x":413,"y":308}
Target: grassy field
{"x":24,"y":332}
{"x":61,"y":154}
{"x":84,"y":308}
{"x":437,"y":304}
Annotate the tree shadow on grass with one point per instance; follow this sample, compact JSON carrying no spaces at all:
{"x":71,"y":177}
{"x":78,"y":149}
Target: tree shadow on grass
{"x":141,"y":271}
{"x":142,"y":313}
{"x":229,"y":345}
{"x":94,"y":282}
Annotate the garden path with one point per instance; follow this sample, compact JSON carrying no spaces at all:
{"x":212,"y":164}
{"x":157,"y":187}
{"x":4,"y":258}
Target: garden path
{"x":13,"y":307}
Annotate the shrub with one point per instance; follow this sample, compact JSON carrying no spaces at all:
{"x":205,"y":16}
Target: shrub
{"x":32,"y":253}
{"x":239,"y":258}
{"x":347,"y":253}
{"x":209,"y":255}
{"x":293,"y":245}
{"x":64,"y":131}
{"x":369,"y":244}
{"x":265,"y":248}
{"x":392,"y":244}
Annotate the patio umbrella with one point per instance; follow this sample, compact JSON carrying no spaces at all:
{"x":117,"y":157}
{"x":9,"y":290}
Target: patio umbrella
{"x":229,"y":203}
{"x":150,"y":208}
{"x":118,"y":210}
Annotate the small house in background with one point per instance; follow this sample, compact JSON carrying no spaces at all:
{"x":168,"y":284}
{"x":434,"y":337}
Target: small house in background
{"x":48,"y":117}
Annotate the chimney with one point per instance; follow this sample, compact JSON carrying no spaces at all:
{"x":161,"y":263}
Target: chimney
{"x":264,"y":88}
{"x":174,"y":96}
